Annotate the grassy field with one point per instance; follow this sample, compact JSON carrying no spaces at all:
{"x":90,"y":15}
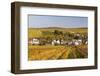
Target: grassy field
{"x":36,"y":32}
{"x":56,"y":52}
{"x":50,"y":52}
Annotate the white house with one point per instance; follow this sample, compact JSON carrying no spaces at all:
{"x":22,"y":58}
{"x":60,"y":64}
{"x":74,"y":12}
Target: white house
{"x":34,"y":41}
{"x":86,"y":42}
{"x":75,"y":42}
{"x":55,"y":42}
{"x":70,"y":43}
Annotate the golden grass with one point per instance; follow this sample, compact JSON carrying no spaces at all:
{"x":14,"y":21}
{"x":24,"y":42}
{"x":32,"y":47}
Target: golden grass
{"x":50,"y":52}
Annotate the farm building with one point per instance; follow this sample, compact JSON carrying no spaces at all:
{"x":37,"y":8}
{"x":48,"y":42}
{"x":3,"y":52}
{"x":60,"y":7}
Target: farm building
{"x":34,"y":41}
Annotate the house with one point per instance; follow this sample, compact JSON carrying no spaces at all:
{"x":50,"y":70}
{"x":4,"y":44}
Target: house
{"x":34,"y":41}
{"x":54,"y":42}
{"x":62,"y":42}
{"x":86,"y":42}
{"x":70,"y":43}
{"x":75,"y":42}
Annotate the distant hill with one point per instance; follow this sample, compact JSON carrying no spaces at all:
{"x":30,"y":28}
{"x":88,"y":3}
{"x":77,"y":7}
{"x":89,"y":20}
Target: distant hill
{"x":60,"y":28}
{"x":53,"y":27}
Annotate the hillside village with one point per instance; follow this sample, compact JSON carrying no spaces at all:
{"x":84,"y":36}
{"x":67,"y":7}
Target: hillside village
{"x":59,"y":38}
{"x":57,"y":43}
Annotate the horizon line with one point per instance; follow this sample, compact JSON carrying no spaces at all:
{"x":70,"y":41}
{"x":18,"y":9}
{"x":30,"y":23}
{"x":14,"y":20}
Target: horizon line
{"x":57,"y":27}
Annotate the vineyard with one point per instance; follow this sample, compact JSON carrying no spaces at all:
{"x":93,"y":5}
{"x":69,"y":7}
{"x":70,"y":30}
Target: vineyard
{"x":57,"y":52}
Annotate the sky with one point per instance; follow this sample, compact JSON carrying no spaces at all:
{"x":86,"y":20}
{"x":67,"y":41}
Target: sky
{"x":41,"y":21}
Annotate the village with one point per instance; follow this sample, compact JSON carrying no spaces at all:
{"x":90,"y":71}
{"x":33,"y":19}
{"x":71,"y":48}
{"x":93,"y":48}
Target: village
{"x":75,"y":39}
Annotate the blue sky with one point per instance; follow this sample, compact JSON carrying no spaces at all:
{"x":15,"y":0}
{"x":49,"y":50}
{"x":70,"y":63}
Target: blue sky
{"x":40,"y":21}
